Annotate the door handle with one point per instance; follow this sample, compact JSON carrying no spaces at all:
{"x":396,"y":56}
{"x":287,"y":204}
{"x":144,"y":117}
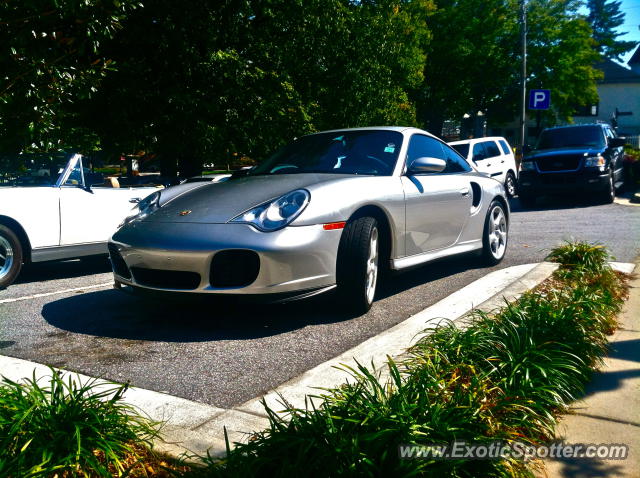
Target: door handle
{"x":464,"y":192}
{"x":502,"y":161}
{"x":134,"y":200}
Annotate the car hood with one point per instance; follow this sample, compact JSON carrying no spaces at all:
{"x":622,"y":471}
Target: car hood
{"x":547,"y":153}
{"x":217,"y":203}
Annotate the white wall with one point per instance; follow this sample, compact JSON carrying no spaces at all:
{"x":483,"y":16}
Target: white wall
{"x":625,"y":97}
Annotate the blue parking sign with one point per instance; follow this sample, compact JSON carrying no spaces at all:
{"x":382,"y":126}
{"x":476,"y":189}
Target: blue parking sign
{"x":539,"y":99}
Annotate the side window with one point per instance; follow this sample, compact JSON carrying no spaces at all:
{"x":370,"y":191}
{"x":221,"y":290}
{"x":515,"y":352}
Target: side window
{"x":76,"y":178}
{"x":423,"y":146}
{"x":610,"y":134}
{"x":492,"y":149}
{"x":505,"y":147}
{"x":455,"y":162}
{"x":478,"y":152}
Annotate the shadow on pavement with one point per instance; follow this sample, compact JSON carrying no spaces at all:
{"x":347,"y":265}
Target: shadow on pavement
{"x":548,"y":203}
{"x":109,"y":313}
{"x":583,"y":467}
{"x":605,"y":381}
{"x":42,"y":271}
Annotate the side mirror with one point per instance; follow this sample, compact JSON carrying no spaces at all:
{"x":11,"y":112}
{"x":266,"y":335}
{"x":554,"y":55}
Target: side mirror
{"x":427,"y":165}
{"x":617,"y":142}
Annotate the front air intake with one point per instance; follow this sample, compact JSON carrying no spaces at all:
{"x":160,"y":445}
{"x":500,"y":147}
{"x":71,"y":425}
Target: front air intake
{"x":234,"y":268}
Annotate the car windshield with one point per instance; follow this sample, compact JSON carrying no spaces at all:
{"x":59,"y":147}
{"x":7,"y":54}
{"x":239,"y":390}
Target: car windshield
{"x":463,"y":149}
{"x":571,"y":137}
{"x":371,"y":152}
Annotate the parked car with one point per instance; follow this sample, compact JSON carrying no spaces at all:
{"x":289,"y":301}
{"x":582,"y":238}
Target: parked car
{"x":492,"y":156}
{"x":577,"y":158}
{"x":328,"y":210}
{"x":70,"y":215}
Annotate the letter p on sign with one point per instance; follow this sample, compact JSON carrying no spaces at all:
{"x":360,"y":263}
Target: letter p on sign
{"x":539,"y":99}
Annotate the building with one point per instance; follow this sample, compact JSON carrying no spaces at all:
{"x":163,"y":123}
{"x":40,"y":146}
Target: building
{"x":619,"y":97}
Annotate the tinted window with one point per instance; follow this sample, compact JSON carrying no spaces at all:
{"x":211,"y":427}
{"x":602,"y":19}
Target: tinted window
{"x":455,"y":162}
{"x":492,"y":149}
{"x":504,"y":146}
{"x":343,"y":152}
{"x":570,"y":137}
{"x":463,"y":149}
{"x":478,"y":152}
{"x":424,"y":146}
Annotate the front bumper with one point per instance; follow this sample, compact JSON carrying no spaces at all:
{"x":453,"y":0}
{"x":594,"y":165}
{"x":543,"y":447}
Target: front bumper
{"x":531,"y":182}
{"x":294,"y":259}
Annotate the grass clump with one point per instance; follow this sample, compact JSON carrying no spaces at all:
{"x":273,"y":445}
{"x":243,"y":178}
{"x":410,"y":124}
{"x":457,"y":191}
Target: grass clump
{"x":504,"y":377}
{"x":67,"y":428}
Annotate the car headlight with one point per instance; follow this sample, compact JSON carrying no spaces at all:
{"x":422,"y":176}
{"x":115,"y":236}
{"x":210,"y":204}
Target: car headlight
{"x":594,"y":162}
{"x":527,"y":166}
{"x":143,"y":209}
{"x":276,"y":214}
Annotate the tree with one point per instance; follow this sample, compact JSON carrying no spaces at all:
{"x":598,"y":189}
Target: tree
{"x":214,"y":78}
{"x":50,"y":58}
{"x":474,"y":58}
{"x":604,"y":18}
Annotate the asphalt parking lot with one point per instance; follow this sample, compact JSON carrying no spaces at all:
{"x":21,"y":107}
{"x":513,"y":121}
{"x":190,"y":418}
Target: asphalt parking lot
{"x":67,"y":314}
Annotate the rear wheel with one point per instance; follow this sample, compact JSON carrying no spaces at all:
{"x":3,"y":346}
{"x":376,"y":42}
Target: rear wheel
{"x":357,"y":268}
{"x":10,"y":256}
{"x":510,"y":184}
{"x":495,"y":236}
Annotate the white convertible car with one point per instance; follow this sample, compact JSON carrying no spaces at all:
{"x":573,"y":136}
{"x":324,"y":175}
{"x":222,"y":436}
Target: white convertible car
{"x":73,"y":216}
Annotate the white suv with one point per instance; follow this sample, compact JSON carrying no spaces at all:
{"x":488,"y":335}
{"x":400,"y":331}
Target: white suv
{"x":493,"y":156}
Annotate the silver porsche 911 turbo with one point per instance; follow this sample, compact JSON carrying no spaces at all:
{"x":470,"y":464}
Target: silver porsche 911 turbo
{"x":330,"y":209}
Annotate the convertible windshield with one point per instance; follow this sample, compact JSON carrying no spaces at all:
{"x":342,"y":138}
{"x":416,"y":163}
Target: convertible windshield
{"x":372,"y":152}
{"x":571,"y":137}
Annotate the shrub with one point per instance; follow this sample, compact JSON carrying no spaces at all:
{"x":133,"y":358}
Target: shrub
{"x":68,"y":427}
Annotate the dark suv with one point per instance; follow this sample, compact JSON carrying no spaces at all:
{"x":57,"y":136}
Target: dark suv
{"x":577,"y":158}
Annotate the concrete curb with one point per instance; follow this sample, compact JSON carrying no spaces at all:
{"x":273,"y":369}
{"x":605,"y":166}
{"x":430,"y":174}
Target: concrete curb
{"x":195,"y":428}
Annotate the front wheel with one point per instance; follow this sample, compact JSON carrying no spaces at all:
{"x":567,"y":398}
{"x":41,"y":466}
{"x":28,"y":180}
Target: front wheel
{"x":495,"y":235}
{"x":609,"y":194}
{"x":357,"y":266}
{"x":10,"y":256}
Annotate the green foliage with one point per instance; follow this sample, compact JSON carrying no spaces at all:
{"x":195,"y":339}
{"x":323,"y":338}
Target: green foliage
{"x":604,"y":18}
{"x":576,"y":258}
{"x":67,"y":426}
{"x":504,"y":377}
{"x":51,"y":59}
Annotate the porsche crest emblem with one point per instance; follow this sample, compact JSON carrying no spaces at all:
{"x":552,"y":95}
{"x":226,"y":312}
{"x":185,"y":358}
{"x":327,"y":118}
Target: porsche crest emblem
{"x":186,"y":212}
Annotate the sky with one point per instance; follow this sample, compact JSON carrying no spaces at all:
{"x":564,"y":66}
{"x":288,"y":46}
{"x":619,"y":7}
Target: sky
{"x":631,"y":9}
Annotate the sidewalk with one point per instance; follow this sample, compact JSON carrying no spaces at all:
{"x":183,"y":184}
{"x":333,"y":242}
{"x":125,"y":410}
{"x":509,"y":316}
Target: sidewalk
{"x":610,"y":411}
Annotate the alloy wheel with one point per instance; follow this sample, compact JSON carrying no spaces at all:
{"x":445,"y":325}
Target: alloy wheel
{"x":372,"y":266}
{"x":6,"y":257}
{"x":497,"y":232}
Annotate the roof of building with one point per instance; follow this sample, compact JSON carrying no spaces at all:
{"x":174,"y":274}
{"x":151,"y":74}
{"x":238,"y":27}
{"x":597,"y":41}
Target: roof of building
{"x":615,"y":73}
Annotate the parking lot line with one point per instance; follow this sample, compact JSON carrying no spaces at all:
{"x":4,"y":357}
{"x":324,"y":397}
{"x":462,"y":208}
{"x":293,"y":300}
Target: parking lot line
{"x":46,"y":294}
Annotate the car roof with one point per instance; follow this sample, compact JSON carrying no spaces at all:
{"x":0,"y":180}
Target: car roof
{"x":471,"y":140}
{"x":399,"y":129}
{"x":581,"y":125}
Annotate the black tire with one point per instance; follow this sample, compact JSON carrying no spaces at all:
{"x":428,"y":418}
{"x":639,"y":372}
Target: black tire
{"x":495,"y":237}
{"x":353,"y":268}
{"x":609,"y":194}
{"x":10,"y":256}
{"x":526,"y":200}
{"x":510,"y":185}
